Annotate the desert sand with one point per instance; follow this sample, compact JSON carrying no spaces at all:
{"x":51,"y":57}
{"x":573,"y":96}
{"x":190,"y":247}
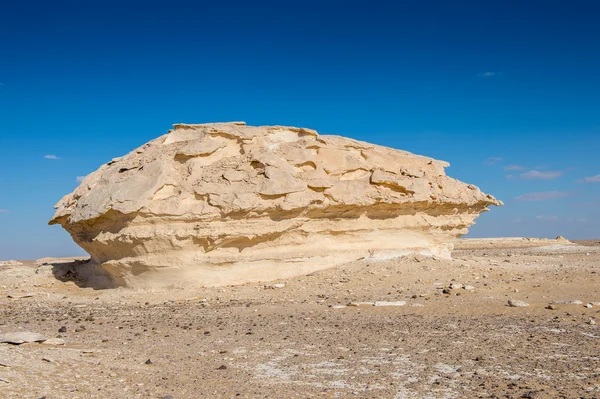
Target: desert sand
{"x":318,"y":335}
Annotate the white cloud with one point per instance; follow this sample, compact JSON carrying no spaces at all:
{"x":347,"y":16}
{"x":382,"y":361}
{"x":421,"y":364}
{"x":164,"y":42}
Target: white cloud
{"x":80,"y":178}
{"x":543,"y":196}
{"x":513,"y":167}
{"x":53,"y":157}
{"x":536,"y":174}
{"x":510,"y":177}
{"x":489,"y":74}
{"x":4,"y":211}
{"x":592,"y":179}
{"x":492,"y":160}
{"x":547,"y":218}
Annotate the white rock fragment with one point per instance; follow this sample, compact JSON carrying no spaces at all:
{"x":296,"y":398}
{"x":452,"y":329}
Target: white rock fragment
{"x":54,"y":341}
{"x":337,"y":306}
{"x":588,"y":305}
{"x":469,"y":287}
{"x":515,"y":303}
{"x":18,"y":338}
{"x":275,"y":286}
{"x":390,"y":303}
{"x":19,"y":295}
{"x":568,"y":302}
{"x":456,"y":286}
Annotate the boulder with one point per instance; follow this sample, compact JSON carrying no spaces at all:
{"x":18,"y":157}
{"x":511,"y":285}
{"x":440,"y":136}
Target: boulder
{"x":225,"y":203}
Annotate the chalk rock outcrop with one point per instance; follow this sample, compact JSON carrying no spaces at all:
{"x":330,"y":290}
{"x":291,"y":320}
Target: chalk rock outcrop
{"x":226,"y":203}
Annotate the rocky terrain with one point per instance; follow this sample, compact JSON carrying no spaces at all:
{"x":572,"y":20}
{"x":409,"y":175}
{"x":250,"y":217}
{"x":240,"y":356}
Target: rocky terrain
{"x":412,"y":327}
{"x":225,"y":203}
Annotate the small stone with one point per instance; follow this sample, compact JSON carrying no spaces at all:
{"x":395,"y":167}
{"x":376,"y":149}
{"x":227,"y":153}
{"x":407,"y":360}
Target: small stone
{"x":591,"y":322}
{"x":469,"y":287}
{"x":552,"y":307}
{"x":589,"y":305}
{"x":222,"y":367}
{"x":456,"y":286}
{"x":515,"y":303}
{"x":569,"y":302}
{"x":390,"y":303}
{"x":63,"y":329}
{"x":446,"y":291}
{"x":148,"y":361}
{"x":337,"y":306}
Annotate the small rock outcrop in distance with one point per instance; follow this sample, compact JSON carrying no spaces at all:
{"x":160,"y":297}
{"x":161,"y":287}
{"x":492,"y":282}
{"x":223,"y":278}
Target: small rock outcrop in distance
{"x":226,"y":203}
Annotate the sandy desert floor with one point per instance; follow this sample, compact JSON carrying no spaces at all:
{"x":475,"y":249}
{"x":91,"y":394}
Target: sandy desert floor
{"x":302,"y":340}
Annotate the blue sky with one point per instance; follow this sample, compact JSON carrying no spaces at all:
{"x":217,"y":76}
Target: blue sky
{"x":508,"y":92}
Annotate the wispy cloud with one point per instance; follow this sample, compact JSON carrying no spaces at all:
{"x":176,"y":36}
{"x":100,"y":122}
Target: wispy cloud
{"x":547,"y":218}
{"x":592,"y":179}
{"x":80,"y":178}
{"x":492,"y":160}
{"x":543,"y":196}
{"x":489,"y":74}
{"x":536,"y":174}
{"x":4,"y":211}
{"x":513,"y":167}
{"x":53,"y":157}
{"x":510,"y":177}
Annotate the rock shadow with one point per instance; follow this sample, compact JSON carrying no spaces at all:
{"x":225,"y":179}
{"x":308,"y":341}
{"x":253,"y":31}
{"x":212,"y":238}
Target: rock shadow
{"x":83,"y":272}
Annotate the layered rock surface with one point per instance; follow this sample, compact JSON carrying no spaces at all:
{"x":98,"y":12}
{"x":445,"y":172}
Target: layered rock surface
{"x":226,"y":203}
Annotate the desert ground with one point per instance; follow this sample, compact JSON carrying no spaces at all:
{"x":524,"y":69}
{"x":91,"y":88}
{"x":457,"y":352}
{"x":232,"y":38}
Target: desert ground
{"x":318,"y":336}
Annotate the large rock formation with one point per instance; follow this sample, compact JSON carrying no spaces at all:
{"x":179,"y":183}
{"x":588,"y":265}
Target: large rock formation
{"x":226,"y":203}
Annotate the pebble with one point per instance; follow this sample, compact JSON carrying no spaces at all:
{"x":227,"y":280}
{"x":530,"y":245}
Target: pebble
{"x":515,"y":303}
{"x":391,"y":303}
{"x":63,"y":329}
{"x":222,"y":367}
{"x":337,"y":306}
{"x":469,"y":287}
{"x":592,"y":322}
{"x":551,"y":307}
{"x":569,"y":302}
{"x":456,"y":286}
{"x":148,"y":361}
{"x":589,"y":305}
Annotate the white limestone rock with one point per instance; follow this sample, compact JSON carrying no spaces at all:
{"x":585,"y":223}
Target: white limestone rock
{"x":225,"y":203}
